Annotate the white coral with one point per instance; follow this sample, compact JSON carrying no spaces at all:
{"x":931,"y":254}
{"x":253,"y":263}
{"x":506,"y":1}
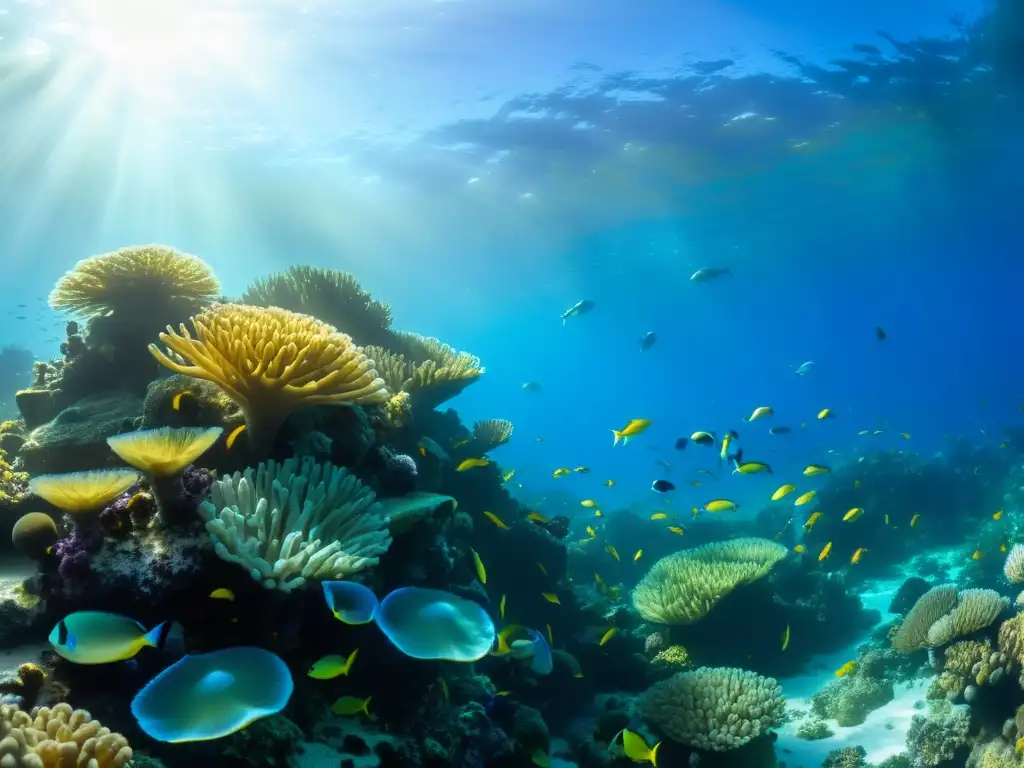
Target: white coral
{"x":1014,"y":565}
{"x":286,"y":526}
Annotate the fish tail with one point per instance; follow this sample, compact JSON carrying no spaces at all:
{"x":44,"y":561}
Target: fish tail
{"x":157,"y":636}
{"x":366,"y":706}
{"x":654,"y":755}
{"x":618,"y":437}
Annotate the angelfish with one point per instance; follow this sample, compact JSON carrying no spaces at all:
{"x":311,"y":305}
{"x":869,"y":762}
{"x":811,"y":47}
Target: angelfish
{"x":577,"y":309}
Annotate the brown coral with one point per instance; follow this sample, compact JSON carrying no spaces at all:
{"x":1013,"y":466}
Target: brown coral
{"x":58,"y":738}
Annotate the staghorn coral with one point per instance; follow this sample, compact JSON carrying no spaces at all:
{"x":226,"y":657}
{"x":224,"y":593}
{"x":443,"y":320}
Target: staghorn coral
{"x":715,"y":708}
{"x":58,"y":738}
{"x":137,"y":281}
{"x":1013,"y":567}
{"x":975,"y":610}
{"x":330,"y":295}
{"x":271,"y":361}
{"x":912,"y":634}
{"x":681,"y":588}
{"x":939,"y":735}
{"x":492,"y":433}
{"x":288,"y":523}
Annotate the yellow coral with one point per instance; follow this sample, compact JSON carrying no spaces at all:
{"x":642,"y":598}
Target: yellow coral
{"x":1011,"y":638}
{"x":912,"y":634}
{"x":270,"y":361}
{"x":79,"y":492}
{"x":137,"y":278}
{"x":433,"y":372}
{"x":166,"y":451}
{"x":975,"y":610}
{"x":58,"y":738}
{"x":681,"y":588}
{"x":674,"y":657}
{"x":961,"y":657}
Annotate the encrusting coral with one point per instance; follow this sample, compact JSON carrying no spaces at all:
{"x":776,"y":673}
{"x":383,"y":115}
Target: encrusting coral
{"x":681,"y":588}
{"x":58,"y":738}
{"x":714,"y":708}
{"x":286,"y":524}
{"x":271,"y":361}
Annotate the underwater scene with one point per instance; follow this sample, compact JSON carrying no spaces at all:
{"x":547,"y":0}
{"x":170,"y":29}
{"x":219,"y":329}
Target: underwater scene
{"x":465,"y":384}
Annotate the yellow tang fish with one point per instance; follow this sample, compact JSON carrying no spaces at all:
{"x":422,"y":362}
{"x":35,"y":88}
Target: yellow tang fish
{"x":785,"y":638}
{"x":857,"y":555}
{"x":977,"y":555}
{"x":561,"y":472}
{"x":501,"y":608}
{"x":636,"y":748}
{"x":233,"y":436}
{"x":783,"y":491}
{"x":350,"y":705}
{"x":508,"y":476}
{"x":846,"y":669}
{"x":914,"y":519}
{"x":176,"y":400}
{"x":537,"y":517}
{"x":591,"y":531}
{"x":496,"y":520}
{"x":634,"y":428}
{"x":825,"y":413}
{"x":677,"y":529}
{"x":481,"y":572}
{"x":825,"y":551}
{"x":471,"y":463}
{"x":551,"y":597}
{"x":222,"y":593}
{"x":853,"y":514}
{"x":760,"y":413}
{"x":815,"y":517}
{"x":588,"y":503}
{"x":542,"y":568}
{"x":659,"y":516}
{"x":752,"y":468}
{"x":720,"y":505}
{"x":998,"y":514}
{"x":598,"y":513}
{"x":801,"y":500}
{"x":608,"y":635}
{"x":330,"y":667}
{"x":799,"y":548}
{"x":609,"y":483}
{"x":638,"y":554}
{"x":612,"y":551}
{"x":815,"y":469}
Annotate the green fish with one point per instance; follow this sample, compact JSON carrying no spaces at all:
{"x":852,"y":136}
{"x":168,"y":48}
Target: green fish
{"x":96,"y":637}
{"x":350,"y":705}
{"x":330,"y":667}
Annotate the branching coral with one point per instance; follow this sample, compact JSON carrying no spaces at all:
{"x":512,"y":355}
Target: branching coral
{"x":330,"y":295}
{"x":681,"y":588}
{"x":492,"y":433}
{"x":714,"y":708}
{"x":939,"y":735}
{"x":136,"y":281}
{"x":271,"y":361}
{"x":287,"y":524}
{"x":912,"y":634}
{"x":58,"y":737}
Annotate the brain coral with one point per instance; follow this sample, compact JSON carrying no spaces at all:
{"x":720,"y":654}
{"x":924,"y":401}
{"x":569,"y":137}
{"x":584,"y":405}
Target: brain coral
{"x":714,"y":708}
{"x":681,"y":588}
{"x":58,"y":737}
{"x":912,"y":634}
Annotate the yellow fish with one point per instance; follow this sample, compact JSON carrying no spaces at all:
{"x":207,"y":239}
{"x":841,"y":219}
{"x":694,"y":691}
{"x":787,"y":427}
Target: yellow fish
{"x":853,"y":514}
{"x":588,"y":503}
{"x":720,"y":505}
{"x":561,"y":472}
{"x":330,"y":667}
{"x":825,"y":551}
{"x":887,"y":518}
{"x":508,"y":476}
{"x":551,"y":597}
{"x":223,"y":593}
{"x":801,"y":500}
{"x":176,"y":400}
{"x":471,"y":463}
{"x":609,"y":483}
{"x":785,"y":638}
{"x":612,"y":551}
{"x":598,"y":513}
{"x":905,"y":435}
{"x":481,"y":572}
{"x":460,"y":443}
{"x":542,"y":568}
{"x":760,"y":413}
{"x":702,"y":438}
{"x":783,"y":491}
{"x":677,"y":529}
{"x":914,"y":519}
{"x":977,"y":555}
{"x":537,"y":517}
{"x":638,"y":554}
{"x":1002,"y":548}
{"x":846,"y":669}
{"x":724,"y":453}
{"x":815,"y":517}
{"x":752,"y":468}
{"x":857,"y":555}
{"x":608,"y":635}
{"x":501,"y":608}
{"x":233,"y":436}
{"x":659,"y":516}
{"x":816,"y":469}
{"x":599,"y":584}
{"x":631,"y":430}
{"x":636,"y":748}
{"x":591,"y":531}
{"x":350,"y":705}
{"x":998,"y":514}
{"x":799,"y":548}
{"x":824,"y":413}
{"x":496,"y":520}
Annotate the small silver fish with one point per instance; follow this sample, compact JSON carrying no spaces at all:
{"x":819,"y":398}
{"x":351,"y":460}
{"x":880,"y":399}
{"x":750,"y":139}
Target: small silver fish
{"x":804,"y":368}
{"x":707,"y":274}
{"x":577,"y":309}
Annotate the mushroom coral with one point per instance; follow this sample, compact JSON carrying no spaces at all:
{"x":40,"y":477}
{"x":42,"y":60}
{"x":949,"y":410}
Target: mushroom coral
{"x":270,"y":361}
{"x":82,"y":492}
{"x":137,"y":280}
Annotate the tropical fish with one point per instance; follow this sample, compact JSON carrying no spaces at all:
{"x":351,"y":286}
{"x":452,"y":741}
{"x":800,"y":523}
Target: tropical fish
{"x":532,"y":387}
{"x":636,"y":748}
{"x":825,"y":552}
{"x":598,"y":513}
{"x":914,"y":519}
{"x":659,"y":516}
{"x":97,"y":637}
{"x":853,"y":514}
{"x":427,"y":445}
{"x":551,"y":597}
{"x":508,"y":476}
{"x":608,"y":635}
{"x":581,"y":470}
{"x":638,"y":555}
{"x":590,"y":530}
{"x":825,"y":413}
{"x":804,"y":368}
{"x":677,"y":529}
{"x":783,"y":490}
{"x":801,"y":500}
{"x":481,"y":572}
{"x":588,"y":503}
{"x":631,"y":430}
{"x":785,"y":638}
{"x":471,"y":464}
{"x":647,"y":340}
{"x":330,"y":667}
{"x":707,"y":274}
{"x":561,"y":472}
{"x":350,"y":705}
{"x":815,"y":517}
{"x":724,"y":453}
{"x":609,"y":483}
{"x":222,"y":593}
{"x":779,"y":430}
{"x":720,"y":505}
{"x":799,"y":548}
{"x":905,"y":435}
{"x":542,"y":569}
{"x":703,"y":438}
{"x":662,"y":486}
{"x":577,"y":309}
{"x":857,"y":484}
{"x":537,"y":517}
{"x":813,"y":470}
{"x":501,"y":608}
{"x":846,"y":669}
{"x":462,"y":442}
{"x":759,"y":413}
{"x":977,"y":555}
{"x":997,"y":515}
{"x":612,"y":551}
{"x":176,"y":400}
{"x":751,"y":468}
{"x":233,"y":436}
{"x":857,"y":555}
{"x":496,"y":520}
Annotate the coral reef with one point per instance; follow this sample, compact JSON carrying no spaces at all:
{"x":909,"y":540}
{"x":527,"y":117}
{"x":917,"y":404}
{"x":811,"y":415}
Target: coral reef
{"x":52,"y":738}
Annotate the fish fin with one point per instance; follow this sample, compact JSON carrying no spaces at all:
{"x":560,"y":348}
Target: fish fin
{"x":618,"y":437}
{"x":737,"y":458}
{"x":654,"y":755}
{"x":157,"y":635}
